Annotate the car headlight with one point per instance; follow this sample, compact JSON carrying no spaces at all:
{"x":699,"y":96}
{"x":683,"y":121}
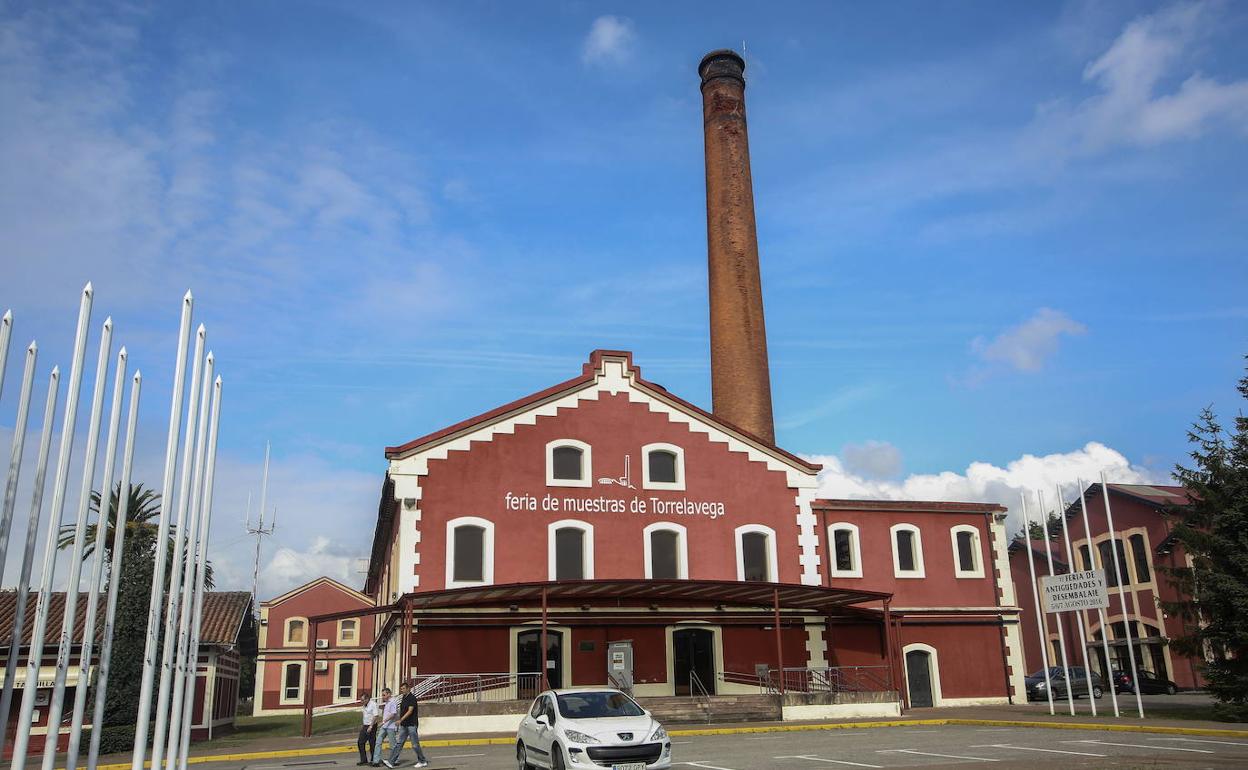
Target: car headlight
{"x":579,"y":737}
{"x":659,"y":734}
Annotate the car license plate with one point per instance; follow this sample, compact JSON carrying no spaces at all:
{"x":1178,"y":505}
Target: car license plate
{"x":630,"y":766}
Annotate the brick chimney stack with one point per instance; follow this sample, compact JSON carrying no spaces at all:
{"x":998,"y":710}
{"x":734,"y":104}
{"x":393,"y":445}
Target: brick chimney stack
{"x":740,"y":380}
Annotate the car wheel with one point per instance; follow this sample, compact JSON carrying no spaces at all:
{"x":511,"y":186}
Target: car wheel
{"x":1097,"y":692}
{"x":522,"y":757}
{"x":1171,"y":690}
{"x":556,"y":758}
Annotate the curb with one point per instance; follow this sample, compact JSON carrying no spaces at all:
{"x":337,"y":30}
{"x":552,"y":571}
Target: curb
{"x":507,"y":741}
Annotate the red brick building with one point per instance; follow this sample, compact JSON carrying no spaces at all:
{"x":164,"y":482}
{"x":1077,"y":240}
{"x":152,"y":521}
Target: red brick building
{"x":344,"y":661}
{"x":1145,"y":548}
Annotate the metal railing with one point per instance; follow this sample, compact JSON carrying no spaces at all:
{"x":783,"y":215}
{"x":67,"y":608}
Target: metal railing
{"x":476,"y":688}
{"x":832,"y":679}
{"x":699,"y":691}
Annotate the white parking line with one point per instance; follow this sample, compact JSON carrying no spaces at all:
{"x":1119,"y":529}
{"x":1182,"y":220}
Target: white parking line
{"x":931,"y":754}
{"x":1028,"y":748}
{"x":1144,"y":746}
{"x":1198,"y":740}
{"x":703,"y":764}
{"x":811,"y":758}
{"x":456,"y":756}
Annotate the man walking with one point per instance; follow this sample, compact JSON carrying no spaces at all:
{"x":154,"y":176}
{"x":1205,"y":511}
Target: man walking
{"x":368,"y":732}
{"x":408,"y":718}
{"x":389,"y":721}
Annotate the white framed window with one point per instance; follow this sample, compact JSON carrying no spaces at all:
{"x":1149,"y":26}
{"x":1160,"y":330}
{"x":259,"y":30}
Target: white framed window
{"x":756,"y":553}
{"x":570,"y":550}
{"x":968,"y":561}
{"x":292,"y":682}
{"x":348,"y":632}
{"x":569,"y":463}
{"x":344,"y":681}
{"x":469,"y":552}
{"x":907,"y":551}
{"x":666,"y":551}
{"x":296,"y":632}
{"x":846,"y":550}
{"x":663,"y":466}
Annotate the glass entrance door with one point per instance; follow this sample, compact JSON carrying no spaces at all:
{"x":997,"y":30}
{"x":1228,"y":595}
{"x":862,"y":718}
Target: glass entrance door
{"x":529,"y":656}
{"x":693,"y":654}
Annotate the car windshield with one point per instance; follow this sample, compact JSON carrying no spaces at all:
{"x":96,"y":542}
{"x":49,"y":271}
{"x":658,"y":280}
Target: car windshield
{"x":1054,"y":673}
{"x":597,"y":704}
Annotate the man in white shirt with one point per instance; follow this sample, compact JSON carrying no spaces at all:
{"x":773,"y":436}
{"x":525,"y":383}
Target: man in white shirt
{"x":368,"y":732}
{"x":389,"y":724}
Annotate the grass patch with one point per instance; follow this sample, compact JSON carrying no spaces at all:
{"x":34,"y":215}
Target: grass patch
{"x":251,"y":728}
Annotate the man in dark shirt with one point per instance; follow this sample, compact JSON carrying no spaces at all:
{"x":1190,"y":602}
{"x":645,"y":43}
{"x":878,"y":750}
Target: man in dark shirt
{"x":408,"y":717}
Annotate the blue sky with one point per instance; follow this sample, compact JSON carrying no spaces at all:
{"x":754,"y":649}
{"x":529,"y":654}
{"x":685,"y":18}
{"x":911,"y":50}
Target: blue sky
{"x":1002,"y":244}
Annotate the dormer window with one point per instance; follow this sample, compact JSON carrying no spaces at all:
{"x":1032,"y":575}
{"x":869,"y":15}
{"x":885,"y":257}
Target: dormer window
{"x":663,"y":466}
{"x":568,"y":463}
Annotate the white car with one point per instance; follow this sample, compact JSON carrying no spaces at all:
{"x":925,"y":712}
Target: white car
{"x":592,"y":728}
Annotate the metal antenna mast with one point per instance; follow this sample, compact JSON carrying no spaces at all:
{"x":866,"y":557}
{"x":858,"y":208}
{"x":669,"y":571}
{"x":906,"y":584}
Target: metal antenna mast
{"x":259,"y":530}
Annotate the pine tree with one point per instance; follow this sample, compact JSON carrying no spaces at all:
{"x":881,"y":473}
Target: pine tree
{"x":1213,"y":529}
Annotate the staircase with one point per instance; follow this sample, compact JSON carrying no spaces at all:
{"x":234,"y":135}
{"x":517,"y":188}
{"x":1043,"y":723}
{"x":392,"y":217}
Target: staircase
{"x":715,"y":708}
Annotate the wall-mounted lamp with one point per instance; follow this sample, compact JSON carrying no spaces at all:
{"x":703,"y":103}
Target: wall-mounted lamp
{"x":514,"y":607}
{"x":409,"y":503}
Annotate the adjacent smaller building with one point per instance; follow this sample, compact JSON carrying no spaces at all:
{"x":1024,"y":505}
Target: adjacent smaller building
{"x":343,"y":649}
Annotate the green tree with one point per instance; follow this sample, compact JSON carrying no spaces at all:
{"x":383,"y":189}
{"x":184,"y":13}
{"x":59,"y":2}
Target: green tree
{"x":1213,"y":529}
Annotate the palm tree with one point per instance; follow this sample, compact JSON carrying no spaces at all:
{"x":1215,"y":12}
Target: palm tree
{"x":142,"y":527}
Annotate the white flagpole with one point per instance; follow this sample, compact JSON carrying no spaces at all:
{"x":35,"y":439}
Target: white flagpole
{"x":19,"y":449}
{"x":6,"y":332}
{"x":159,"y":735}
{"x":1041,"y":618}
{"x":61,"y":480}
{"x":28,"y":556}
{"x":1096,"y":564}
{"x":188,"y":577}
{"x":1057,"y":616}
{"x":158,"y":574}
{"x":1122,"y":596}
{"x":114,"y":573}
{"x":201,"y":569}
{"x":70,"y":621}
{"x":1082,"y":615}
{"x":97,"y":569}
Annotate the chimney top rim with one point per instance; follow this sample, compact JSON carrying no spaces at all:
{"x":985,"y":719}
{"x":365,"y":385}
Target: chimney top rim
{"x":721,"y":54}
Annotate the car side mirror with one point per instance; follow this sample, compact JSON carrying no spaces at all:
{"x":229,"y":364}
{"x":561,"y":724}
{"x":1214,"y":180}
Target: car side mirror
{"x":543,"y":721}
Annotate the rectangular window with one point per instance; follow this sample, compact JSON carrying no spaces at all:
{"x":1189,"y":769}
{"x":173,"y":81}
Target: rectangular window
{"x":664,"y":560}
{"x":1086,"y":557}
{"x":569,"y":554}
{"x":294,"y":632}
{"x":662,"y":466}
{"x":566,"y":463}
{"x":966,"y":552}
{"x":294,"y":681}
{"x":1107,"y":563}
{"x":1123,"y":570}
{"x":754,"y":556}
{"x":905,"y":550}
{"x":346,"y":634}
{"x":1140,"y":552}
{"x":843,"y":543}
{"x":346,"y":680}
{"x":469,"y":553}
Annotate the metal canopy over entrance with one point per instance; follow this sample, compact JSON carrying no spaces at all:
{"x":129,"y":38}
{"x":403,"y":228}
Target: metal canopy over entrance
{"x":626,"y":593}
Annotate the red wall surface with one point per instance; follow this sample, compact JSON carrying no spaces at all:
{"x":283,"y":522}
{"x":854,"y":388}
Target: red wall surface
{"x":971,"y":665}
{"x":474,"y":484}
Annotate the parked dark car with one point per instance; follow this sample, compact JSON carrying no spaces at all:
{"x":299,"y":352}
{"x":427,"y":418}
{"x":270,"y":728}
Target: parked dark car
{"x":1078,"y":683}
{"x":1150,"y":683}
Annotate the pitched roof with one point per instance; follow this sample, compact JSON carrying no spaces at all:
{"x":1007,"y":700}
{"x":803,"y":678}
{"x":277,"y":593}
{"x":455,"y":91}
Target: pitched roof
{"x":589,"y":372}
{"x":1156,"y":496}
{"x":323,"y":580}
{"x":1039,"y":551}
{"x":223,"y":615}
{"x":905,"y":506}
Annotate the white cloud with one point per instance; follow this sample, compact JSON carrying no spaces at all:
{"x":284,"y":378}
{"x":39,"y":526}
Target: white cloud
{"x":872,"y":459}
{"x":290,"y":567}
{"x":610,"y":41}
{"x":988,"y":483}
{"x":1029,"y":345}
{"x":1130,"y":106}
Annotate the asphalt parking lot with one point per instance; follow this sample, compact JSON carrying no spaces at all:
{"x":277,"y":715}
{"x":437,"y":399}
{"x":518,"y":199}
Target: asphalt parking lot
{"x":886,"y":747}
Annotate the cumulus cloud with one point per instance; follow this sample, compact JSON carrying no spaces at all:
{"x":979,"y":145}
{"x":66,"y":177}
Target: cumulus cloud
{"x":872,"y":459}
{"x":1131,"y":106}
{"x":609,"y":41}
{"x":290,"y":567}
{"x":987,"y":483}
{"x":1029,"y":345}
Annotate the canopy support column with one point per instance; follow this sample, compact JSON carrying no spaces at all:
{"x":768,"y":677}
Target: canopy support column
{"x":775,"y":605}
{"x":309,"y":679}
{"x":543,"y":679}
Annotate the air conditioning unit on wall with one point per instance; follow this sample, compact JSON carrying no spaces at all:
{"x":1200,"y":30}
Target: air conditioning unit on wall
{"x":322,"y":644}
{"x":322,"y":665}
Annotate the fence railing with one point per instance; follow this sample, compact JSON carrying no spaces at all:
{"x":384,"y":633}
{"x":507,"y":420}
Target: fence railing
{"x":832,"y":679}
{"x":476,"y":688}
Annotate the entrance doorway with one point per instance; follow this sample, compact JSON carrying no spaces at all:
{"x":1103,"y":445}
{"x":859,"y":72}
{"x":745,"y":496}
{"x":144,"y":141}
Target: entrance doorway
{"x":693,"y":654}
{"x":529,"y":656}
{"x":919,"y":678}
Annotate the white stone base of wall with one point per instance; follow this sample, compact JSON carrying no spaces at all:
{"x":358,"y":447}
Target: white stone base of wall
{"x":842,"y":711}
{"x":954,"y":702}
{"x":462,"y":725}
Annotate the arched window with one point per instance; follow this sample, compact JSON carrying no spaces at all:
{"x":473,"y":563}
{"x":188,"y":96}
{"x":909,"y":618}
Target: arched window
{"x":292,"y":682}
{"x":756,"y":553}
{"x":663,"y":466}
{"x":846,"y":550}
{"x":348,"y":632}
{"x":1139,"y":550}
{"x":1085,"y":556}
{"x":1115,"y":569}
{"x":907,"y":551}
{"x":666,"y":551}
{"x":570,"y":550}
{"x":568,"y":463}
{"x":296,"y":632}
{"x":968,"y":561}
{"x":344,"y":684}
{"x":469,"y":551}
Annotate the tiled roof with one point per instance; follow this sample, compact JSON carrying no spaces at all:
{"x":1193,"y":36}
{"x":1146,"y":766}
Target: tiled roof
{"x":223,"y":615}
{"x":905,"y":506}
{"x":1154,"y":493}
